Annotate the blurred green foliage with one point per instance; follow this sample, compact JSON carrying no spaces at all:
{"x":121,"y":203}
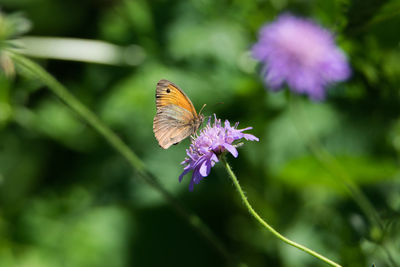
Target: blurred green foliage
{"x":68,"y":199}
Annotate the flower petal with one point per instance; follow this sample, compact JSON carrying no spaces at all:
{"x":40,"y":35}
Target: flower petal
{"x":191,"y":185}
{"x":214,"y":158}
{"x":250,"y":137}
{"x":231,"y":150}
{"x":205,"y":168}
{"x":185,"y":171}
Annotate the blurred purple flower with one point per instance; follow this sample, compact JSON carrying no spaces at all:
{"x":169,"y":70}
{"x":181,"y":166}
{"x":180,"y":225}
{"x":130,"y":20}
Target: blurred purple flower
{"x":302,"y":54}
{"x":205,"y":148}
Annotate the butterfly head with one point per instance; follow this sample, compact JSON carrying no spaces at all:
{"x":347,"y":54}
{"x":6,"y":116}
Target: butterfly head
{"x":201,"y":116}
{"x":198,"y":122}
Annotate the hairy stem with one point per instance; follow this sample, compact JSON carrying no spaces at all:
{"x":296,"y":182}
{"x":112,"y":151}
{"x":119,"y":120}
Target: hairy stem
{"x":265,"y":224}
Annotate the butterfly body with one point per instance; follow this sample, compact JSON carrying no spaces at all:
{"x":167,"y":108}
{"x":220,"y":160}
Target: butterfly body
{"x":176,"y":116}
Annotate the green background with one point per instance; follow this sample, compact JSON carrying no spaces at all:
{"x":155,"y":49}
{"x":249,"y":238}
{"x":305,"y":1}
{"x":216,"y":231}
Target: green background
{"x":69,"y":199}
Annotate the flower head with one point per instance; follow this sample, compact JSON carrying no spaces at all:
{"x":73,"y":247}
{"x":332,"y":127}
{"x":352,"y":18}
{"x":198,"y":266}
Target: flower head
{"x":300,"y":53}
{"x":205,"y":148}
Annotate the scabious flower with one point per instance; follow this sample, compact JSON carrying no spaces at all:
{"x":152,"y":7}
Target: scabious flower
{"x":206,"y":147}
{"x":301,"y":54}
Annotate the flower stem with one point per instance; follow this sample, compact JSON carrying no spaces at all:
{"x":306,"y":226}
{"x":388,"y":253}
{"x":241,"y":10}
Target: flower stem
{"x":265,"y":224}
{"x":137,"y":165}
{"x":333,"y":166}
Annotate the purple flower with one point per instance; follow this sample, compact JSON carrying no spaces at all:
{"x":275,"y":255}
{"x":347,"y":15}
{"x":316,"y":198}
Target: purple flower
{"x":205,"y":148}
{"x":300,"y":53}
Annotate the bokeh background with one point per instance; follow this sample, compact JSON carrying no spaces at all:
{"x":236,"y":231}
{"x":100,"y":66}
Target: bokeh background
{"x":69,"y":199}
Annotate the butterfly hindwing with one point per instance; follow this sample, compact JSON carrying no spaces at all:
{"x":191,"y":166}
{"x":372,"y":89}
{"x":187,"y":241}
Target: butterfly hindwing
{"x":171,"y":125}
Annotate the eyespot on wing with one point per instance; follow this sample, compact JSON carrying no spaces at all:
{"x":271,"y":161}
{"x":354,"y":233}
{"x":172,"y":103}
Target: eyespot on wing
{"x":168,"y":93}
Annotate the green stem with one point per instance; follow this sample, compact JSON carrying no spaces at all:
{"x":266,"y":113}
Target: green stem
{"x":333,"y":166}
{"x":137,"y":165}
{"x":265,"y":224}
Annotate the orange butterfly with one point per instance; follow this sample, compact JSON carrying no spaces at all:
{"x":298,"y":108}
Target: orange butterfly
{"x":176,"y":116}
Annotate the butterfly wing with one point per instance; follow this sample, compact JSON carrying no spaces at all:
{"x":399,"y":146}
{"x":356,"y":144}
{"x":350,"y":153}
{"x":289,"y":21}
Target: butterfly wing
{"x":176,"y":116}
{"x":168,"y":93}
{"x":171,"y":125}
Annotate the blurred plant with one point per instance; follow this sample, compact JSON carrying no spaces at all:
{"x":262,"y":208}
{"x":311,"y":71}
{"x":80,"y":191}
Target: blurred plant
{"x":11,"y":27}
{"x":378,"y":230}
{"x":300,"y":53}
{"x":74,"y":49}
{"x":304,"y":56}
{"x":136,"y":163}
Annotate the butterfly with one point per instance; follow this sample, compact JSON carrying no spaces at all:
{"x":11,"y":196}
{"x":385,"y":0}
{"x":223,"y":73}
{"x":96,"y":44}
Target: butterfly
{"x":176,"y":116}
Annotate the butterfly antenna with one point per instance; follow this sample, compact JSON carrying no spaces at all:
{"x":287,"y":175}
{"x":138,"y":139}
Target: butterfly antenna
{"x":202,"y":108}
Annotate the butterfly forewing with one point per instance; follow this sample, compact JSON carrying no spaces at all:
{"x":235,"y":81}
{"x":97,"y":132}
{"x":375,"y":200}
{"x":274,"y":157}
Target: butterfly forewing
{"x":168,"y":93}
{"x":176,"y":116}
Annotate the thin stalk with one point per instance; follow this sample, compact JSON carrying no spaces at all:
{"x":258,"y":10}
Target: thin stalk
{"x":135,"y":162}
{"x":334,"y":167}
{"x":265,"y":224}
